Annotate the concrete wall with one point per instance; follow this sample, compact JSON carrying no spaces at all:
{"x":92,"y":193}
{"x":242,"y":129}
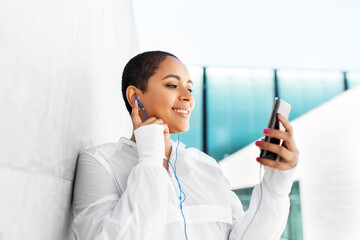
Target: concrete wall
{"x":328,"y":169}
{"x":60,"y":73}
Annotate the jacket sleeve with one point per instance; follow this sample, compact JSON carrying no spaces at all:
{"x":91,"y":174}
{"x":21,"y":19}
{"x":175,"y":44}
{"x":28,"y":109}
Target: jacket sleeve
{"x":270,"y":220}
{"x":140,"y":212}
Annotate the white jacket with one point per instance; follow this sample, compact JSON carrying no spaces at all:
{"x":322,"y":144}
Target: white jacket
{"x":122,"y":191}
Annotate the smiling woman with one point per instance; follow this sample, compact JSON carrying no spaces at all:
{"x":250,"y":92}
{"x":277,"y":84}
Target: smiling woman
{"x":168,"y":95}
{"x":149,"y":187}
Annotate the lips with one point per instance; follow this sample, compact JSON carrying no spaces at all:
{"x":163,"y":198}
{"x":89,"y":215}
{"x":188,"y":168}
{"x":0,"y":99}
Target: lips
{"x":183,"y":111}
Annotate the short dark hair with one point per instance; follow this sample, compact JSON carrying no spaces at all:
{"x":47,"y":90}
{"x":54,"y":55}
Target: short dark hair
{"x":139,"y":69}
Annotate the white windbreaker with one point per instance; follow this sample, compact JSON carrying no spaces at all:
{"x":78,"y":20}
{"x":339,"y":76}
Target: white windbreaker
{"x":122,"y":191}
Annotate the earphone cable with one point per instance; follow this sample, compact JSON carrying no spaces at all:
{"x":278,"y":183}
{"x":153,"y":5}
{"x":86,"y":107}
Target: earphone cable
{"x":181,"y":192}
{"x":257,"y":209}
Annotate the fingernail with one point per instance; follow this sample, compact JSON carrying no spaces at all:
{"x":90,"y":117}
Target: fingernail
{"x":281,"y":116}
{"x":258,"y":143}
{"x":266,"y":130}
{"x":258,"y":159}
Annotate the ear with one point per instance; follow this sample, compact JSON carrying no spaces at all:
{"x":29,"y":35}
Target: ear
{"x":131,"y":93}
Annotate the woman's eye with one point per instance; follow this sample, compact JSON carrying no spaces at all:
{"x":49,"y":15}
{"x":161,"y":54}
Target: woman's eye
{"x":175,"y":86}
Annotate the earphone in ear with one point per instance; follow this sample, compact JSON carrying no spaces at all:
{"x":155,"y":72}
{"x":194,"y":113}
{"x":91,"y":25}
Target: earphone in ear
{"x":141,"y":106}
{"x":139,"y":103}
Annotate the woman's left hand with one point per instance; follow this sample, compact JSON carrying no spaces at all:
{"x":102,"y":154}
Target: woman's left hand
{"x":287,"y":151}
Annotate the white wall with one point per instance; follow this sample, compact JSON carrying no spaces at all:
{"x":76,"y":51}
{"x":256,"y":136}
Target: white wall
{"x":60,"y":76}
{"x":328,"y":169}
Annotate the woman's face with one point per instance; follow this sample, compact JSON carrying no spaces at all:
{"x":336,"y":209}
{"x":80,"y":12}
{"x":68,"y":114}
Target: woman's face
{"x":168,"y":95}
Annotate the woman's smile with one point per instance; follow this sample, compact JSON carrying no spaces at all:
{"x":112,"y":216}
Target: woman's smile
{"x":183,"y":111}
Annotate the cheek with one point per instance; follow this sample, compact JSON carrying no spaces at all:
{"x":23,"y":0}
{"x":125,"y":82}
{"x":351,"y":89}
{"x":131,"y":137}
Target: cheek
{"x":192,"y":105}
{"x":160,"y":105}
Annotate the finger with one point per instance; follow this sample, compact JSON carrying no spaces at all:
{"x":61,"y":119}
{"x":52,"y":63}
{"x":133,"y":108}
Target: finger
{"x":274,"y":164}
{"x":166,"y":134}
{"x":290,"y":143}
{"x":285,"y":123}
{"x":284,"y":153}
{"x":166,"y":131}
{"x":260,"y":140}
{"x":166,"y":128}
{"x":148,"y":121}
{"x":292,"y":148}
{"x":275,"y":133}
{"x":135,"y":118}
{"x":288,"y":140}
{"x":153,"y":120}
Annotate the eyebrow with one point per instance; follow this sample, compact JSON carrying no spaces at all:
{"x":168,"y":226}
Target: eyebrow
{"x":176,"y":77}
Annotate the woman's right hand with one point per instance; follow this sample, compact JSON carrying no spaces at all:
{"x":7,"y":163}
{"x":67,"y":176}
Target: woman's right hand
{"x":137,"y":122}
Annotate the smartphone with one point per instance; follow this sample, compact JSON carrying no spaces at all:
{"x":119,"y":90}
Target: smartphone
{"x":282,"y":107}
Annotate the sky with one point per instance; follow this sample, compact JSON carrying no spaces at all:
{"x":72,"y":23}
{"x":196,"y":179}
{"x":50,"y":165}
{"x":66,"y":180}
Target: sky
{"x":307,"y":34}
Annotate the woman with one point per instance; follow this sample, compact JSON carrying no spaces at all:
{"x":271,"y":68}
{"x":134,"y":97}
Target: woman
{"x":149,"y":187}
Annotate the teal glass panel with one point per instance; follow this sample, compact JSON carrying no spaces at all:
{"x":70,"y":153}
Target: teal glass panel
{"x":293,"y":229}
{"x":353,"y":79}
{"x":305,"y":90}
{"x":193,"y":137}
{"x":239,"y":103}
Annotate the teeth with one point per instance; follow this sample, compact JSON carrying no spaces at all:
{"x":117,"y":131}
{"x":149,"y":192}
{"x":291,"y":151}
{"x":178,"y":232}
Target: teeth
{"x":181,"y":111}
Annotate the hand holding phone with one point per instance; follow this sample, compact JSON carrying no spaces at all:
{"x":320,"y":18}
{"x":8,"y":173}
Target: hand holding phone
{"x":277,"y":141}
{"x":282,"y":107}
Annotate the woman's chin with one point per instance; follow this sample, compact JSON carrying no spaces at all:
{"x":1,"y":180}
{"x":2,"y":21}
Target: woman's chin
{"x":179,"y":130}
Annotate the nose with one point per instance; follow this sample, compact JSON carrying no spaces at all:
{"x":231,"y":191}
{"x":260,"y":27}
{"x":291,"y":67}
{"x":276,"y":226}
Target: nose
{"x":185,"y":95}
